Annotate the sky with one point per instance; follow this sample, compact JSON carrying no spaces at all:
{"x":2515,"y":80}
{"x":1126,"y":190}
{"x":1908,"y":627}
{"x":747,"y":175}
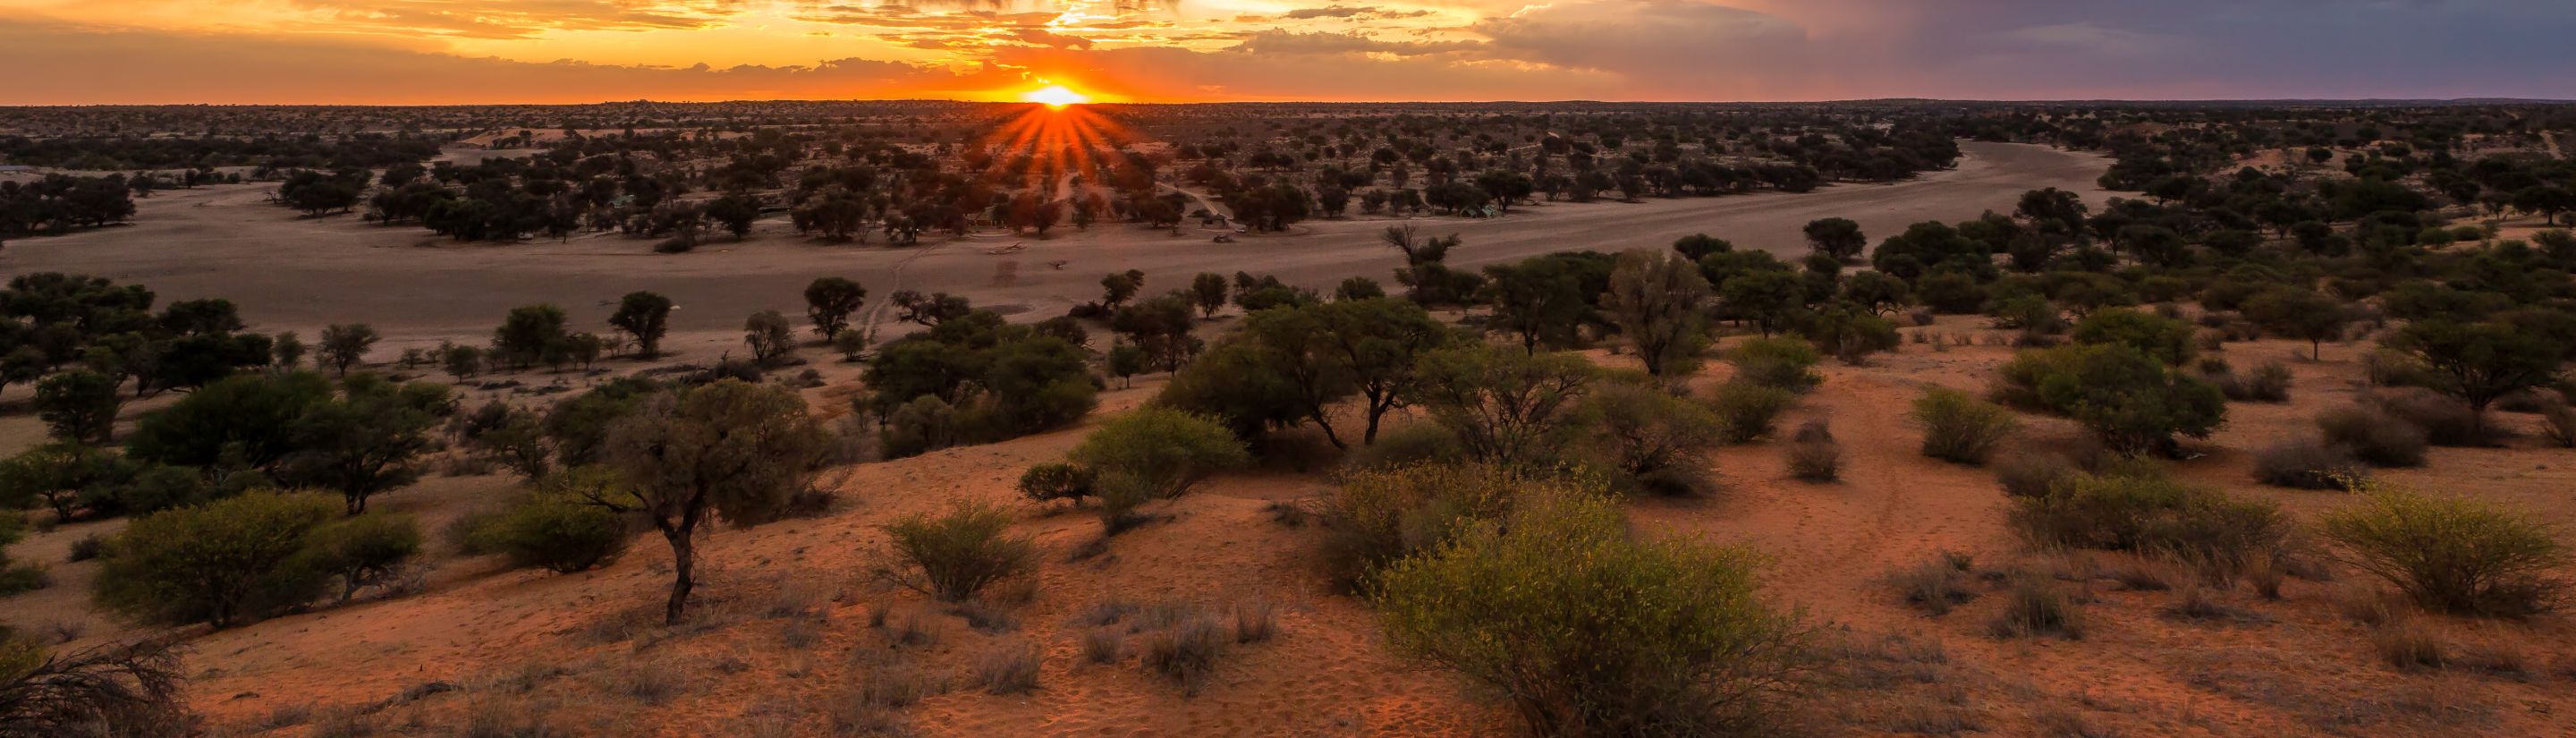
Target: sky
{"x":55,"y":52}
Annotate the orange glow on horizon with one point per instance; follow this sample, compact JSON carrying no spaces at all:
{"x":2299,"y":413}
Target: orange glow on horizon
{"x":1055,"y":96}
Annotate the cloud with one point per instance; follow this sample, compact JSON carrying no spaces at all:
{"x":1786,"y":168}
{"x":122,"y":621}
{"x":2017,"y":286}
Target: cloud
{"x":519,"y":18}
{"x":1290,"y":42}
{"x":387,"y":50}
{"x":132,"y":66}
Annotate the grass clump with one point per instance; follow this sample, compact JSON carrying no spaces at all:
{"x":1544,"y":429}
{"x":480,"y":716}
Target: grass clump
{"x":2453,"y":554}
{"x":1010,"y":668}
{"x":955,"y":555}
{"x":2036,"y":606}
{"x":1935,"y":587}
{"x":1959,"y":428}
{"x":1589,"y":631}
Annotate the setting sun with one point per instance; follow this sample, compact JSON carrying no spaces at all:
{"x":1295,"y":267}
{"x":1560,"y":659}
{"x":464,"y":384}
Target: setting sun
{"x":1055,"y":96}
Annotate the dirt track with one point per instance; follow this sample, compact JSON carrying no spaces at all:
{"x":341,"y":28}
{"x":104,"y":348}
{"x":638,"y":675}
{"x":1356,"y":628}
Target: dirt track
{"x":292,"y":273}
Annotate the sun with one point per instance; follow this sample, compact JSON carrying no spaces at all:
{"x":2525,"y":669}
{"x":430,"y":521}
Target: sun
{"x":1055,"y":96}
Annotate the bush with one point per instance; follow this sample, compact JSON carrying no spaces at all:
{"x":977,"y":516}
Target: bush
{"x":2373,"y":436}
{"x":555,"y":534}
{"x":2269,"y":383}
{"x":1155,"y":453}
{"x":2202,"y":526}
{"x":2446,"y":421}
{"x":2160,"y":338}
{"x":2306,"y":463}
{"x":2029,"y":474}
{"x":1782,"y":362}
{"x":1958,"y":428}
{"x":2558,"y":424}
{"x":956,"y":555}
{"x":1384,"y":515}
{"x":117,"y":689}
{"x":1746,"y":411}
{"x":364,"y":551}
{"x":1591,"y":632}
{"x":1056,"y":481}
{"x":1815,"y":460}
{"x":2133,"y":403}
{"x":228,"y":562}
{"x":1643,"y":432}
{"x":2453,"y":554}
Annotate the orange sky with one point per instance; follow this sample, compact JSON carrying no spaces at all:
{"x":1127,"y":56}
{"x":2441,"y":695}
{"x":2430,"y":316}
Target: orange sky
{"x":469,"y":51}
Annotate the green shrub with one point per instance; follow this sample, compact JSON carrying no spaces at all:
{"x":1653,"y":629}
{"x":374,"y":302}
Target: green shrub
{"x":2453,"y":554}
{"x":1643,"y":432}
{"x":2133,"y":403}
{"x":1155,"y":453}
{"x":1591,"y":632}
{"x":955,"y":555}
{"x":1746,"y":411}
{"x":556,"y":534}
{"x":1056,"y":481}
{"x":2202,"y":526}
{"x":227,"y":562}
{"x":364,"y":551}
{"x":1782,"y":362}
{"x":2160,"y":338}
{"x":2373,"y":435}
{"x":1380,"y":516}
{"x":1959,"y":428}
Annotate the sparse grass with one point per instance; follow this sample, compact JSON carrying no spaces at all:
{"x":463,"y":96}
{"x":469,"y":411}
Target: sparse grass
{"x":1255,"y":621}
{"x":2061,"y":721}
{"x":2035,"y":606}
{"x":344,"y":723}
{"x":1009,"y":668}
{"x":1935,"y":587}
{"x":985,"y":616}
{"x":650,"y":681}
{"x":2206,"y":605}
{"x":1891,"y":659}
{"x":2142,"y":576}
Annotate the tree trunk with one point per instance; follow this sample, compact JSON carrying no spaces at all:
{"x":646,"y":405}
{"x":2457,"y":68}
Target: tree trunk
{"x":683,"y":574}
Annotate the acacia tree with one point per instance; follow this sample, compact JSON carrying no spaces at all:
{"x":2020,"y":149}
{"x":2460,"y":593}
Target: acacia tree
{"x":1504,"y":405}
{"x":78,"y":406}
{"x":1655,"y":298}
{"x":344,"y":345}
{"x":1538,"y":300}
{"x":2299,"y":313}
{"x":829,"y":301}
{"x":646,"y":316}
{"x":1836,"y":237}
{"x":1209,"y":290}
{"x":2480,"y":362}
{"x":1377,"y":343}
{"x":729,"y":449}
